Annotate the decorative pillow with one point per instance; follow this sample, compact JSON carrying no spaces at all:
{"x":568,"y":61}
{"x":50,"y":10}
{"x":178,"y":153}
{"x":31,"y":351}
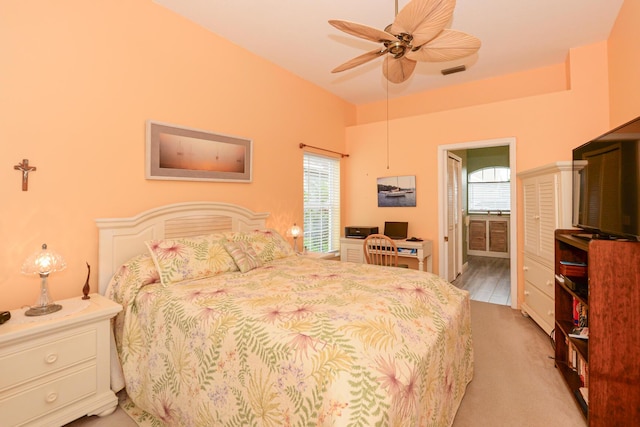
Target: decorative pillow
{"x":189,"y":258}
{"x":267,"y":244}
{"x":244,"y":256}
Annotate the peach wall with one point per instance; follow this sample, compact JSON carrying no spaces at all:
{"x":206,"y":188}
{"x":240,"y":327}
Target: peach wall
{"x":546,"y":128}
{"x":624,"y":64}
{"x":79,"y":79}
{"x":543,"y":80}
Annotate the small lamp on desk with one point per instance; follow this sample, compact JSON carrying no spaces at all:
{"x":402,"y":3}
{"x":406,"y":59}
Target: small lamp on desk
{"x":295,"y":232}
{"x":43,"y":263}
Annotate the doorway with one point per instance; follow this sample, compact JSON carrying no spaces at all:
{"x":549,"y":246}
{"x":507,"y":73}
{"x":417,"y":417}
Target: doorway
{"x":450,"y":246}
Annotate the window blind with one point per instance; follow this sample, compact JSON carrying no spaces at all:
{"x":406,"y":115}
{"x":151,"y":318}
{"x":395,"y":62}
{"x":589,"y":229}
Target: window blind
{"x":489,"y":189}
{"x":321,"y":203}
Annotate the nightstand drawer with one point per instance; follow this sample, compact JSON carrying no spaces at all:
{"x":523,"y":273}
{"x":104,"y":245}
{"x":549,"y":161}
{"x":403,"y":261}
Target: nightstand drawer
{"x":47,"y":355}
{"x":42,"y":399}
{"x":540,"y":276}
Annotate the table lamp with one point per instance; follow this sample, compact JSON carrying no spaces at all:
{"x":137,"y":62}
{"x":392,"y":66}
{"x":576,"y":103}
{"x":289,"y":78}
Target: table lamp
{"x":295,"y":232}
{"x":43,"y":262}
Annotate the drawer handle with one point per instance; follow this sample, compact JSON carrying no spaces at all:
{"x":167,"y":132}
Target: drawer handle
{"x":525,"y":268}
{"x":51,"y":358}
{"x":527,"y":293}
{"x":550,"y":313}
{"x":549,"y":283}
{"x":51,"y":397}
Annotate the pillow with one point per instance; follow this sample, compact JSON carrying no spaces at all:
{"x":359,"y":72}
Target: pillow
{"x":134,"y":274}
{"x":188,"y":258}
{"x":243,"y":255}
{"x":267,"y":244}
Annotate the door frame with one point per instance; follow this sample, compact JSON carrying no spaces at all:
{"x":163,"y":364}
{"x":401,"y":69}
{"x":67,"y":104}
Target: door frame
{"x":456,"y":238}
{"x":442,"y":203}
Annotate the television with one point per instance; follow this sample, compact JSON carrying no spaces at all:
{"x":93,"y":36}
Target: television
{"x":396,"y":230}
{"x":606,"y":183}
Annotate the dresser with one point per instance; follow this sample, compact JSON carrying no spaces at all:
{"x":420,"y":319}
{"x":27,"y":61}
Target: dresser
{"x":56,"y":368}
{"x":547,"y":200}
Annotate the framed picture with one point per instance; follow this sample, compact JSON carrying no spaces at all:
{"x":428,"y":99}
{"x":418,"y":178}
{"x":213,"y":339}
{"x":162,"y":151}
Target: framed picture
{"x":180,"y":153}
{"x":394,"y":191}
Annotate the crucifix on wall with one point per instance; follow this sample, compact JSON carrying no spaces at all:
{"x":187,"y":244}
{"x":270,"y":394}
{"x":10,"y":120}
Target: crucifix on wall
{"x":25,"y":168}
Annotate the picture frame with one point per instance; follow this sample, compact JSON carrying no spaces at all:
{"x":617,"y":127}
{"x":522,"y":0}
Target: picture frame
{"x":397,"y":191}
{"x":181,"y":153}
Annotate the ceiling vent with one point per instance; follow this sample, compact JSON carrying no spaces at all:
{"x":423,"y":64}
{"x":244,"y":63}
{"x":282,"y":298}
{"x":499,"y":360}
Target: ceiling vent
{"x":452,"y":70}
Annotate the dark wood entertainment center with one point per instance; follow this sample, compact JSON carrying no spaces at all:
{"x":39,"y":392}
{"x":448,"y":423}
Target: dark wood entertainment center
{"x":604,"y":277}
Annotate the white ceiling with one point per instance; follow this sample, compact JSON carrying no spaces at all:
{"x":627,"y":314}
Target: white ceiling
{"x":516,"y":35}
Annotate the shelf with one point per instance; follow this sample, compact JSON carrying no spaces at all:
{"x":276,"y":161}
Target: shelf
{"x":572,"y":379}
{"x":610,"y":290}
{"x":582,"y":346}
{"x":582,"y":296}
{"x":577,"y":242}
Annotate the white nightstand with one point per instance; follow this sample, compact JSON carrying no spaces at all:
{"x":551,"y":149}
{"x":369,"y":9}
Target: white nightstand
{"x":55,"y":368}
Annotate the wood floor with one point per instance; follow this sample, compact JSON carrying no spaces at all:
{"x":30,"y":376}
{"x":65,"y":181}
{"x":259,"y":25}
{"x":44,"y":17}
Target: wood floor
{"x":487,"y":280}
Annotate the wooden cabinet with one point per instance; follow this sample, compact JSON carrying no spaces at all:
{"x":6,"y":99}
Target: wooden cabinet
{"x":56,"y":368}
{"x":602,"y":372}
{"x":498,"y":236}
{"x":478,"y":235}
{"x":489,"y":235}
{"x":547,"y":206}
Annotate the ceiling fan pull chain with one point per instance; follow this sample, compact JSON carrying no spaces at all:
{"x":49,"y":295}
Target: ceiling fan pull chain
{"x":388,"y":112}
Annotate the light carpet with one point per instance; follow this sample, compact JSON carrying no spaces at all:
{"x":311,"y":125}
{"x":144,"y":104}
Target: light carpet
{"x":515,"y":382}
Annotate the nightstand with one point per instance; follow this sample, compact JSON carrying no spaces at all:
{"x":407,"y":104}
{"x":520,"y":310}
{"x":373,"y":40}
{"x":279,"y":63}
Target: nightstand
{"x":56,"y":368}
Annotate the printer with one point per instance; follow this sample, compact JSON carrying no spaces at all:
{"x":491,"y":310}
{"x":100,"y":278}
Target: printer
{"x":359,"y":232}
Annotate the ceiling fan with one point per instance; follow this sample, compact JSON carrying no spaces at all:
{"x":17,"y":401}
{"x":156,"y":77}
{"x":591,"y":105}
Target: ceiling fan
{"x":417,"y":34}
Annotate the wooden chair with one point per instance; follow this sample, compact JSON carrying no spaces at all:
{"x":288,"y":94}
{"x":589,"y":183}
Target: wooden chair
{"x":380,"y":250}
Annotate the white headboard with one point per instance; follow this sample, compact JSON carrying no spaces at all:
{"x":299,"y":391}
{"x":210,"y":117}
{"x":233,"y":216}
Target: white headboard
{"x":120,"y":239}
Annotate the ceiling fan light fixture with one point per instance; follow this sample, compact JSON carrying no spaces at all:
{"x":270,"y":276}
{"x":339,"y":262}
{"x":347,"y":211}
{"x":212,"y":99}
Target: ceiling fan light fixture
{"x":417,"y":33}
{"x":452,"y":70}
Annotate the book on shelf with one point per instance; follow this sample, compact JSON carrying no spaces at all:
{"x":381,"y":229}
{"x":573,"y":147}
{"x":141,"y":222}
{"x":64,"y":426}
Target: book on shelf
{"x":579,"y":313}
{"x":581,"y":332}
{"x":584,"y":392}
{"x":574,"y":263}
{"x":571,"y":268}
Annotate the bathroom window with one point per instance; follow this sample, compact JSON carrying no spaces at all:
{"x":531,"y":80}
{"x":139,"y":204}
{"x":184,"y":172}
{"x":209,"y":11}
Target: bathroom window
{"x":489,"y":190}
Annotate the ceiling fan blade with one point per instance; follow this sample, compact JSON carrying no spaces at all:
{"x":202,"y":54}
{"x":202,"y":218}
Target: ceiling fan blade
{"x":398,"y":70}
{"x":423,"y":19}
{"x":358,"y":60}
{"x":449,"y":45}
{"x":362,"y":31}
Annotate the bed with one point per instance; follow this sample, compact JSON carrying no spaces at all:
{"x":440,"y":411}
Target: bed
{"x":223,"y":324}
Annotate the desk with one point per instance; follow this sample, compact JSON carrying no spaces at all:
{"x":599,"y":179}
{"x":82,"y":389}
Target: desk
{"x":352,"y":250}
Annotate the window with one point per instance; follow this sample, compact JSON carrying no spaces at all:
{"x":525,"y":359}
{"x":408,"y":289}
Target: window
{"x":489,"y":190}
{"x":321,"y":203}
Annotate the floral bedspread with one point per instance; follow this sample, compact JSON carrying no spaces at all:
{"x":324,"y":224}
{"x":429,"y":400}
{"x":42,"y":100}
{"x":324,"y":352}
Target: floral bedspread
{"x":295,"y":342}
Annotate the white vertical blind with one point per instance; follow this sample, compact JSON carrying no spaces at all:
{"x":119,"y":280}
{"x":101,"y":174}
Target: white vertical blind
{"x":321,"y":203}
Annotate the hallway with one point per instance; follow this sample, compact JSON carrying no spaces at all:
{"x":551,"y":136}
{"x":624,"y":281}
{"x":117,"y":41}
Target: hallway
{"x":487,"y":280}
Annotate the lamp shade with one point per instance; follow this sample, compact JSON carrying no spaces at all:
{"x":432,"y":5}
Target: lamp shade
{"x":295,"y":231}
{"x":43,"y":262}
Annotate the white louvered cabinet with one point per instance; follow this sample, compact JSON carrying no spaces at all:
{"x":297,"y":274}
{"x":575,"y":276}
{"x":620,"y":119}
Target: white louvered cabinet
{"x":547,"y":206}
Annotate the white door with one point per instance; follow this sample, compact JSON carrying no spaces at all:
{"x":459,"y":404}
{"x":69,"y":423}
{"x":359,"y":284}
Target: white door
{"x":453,"y":238}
